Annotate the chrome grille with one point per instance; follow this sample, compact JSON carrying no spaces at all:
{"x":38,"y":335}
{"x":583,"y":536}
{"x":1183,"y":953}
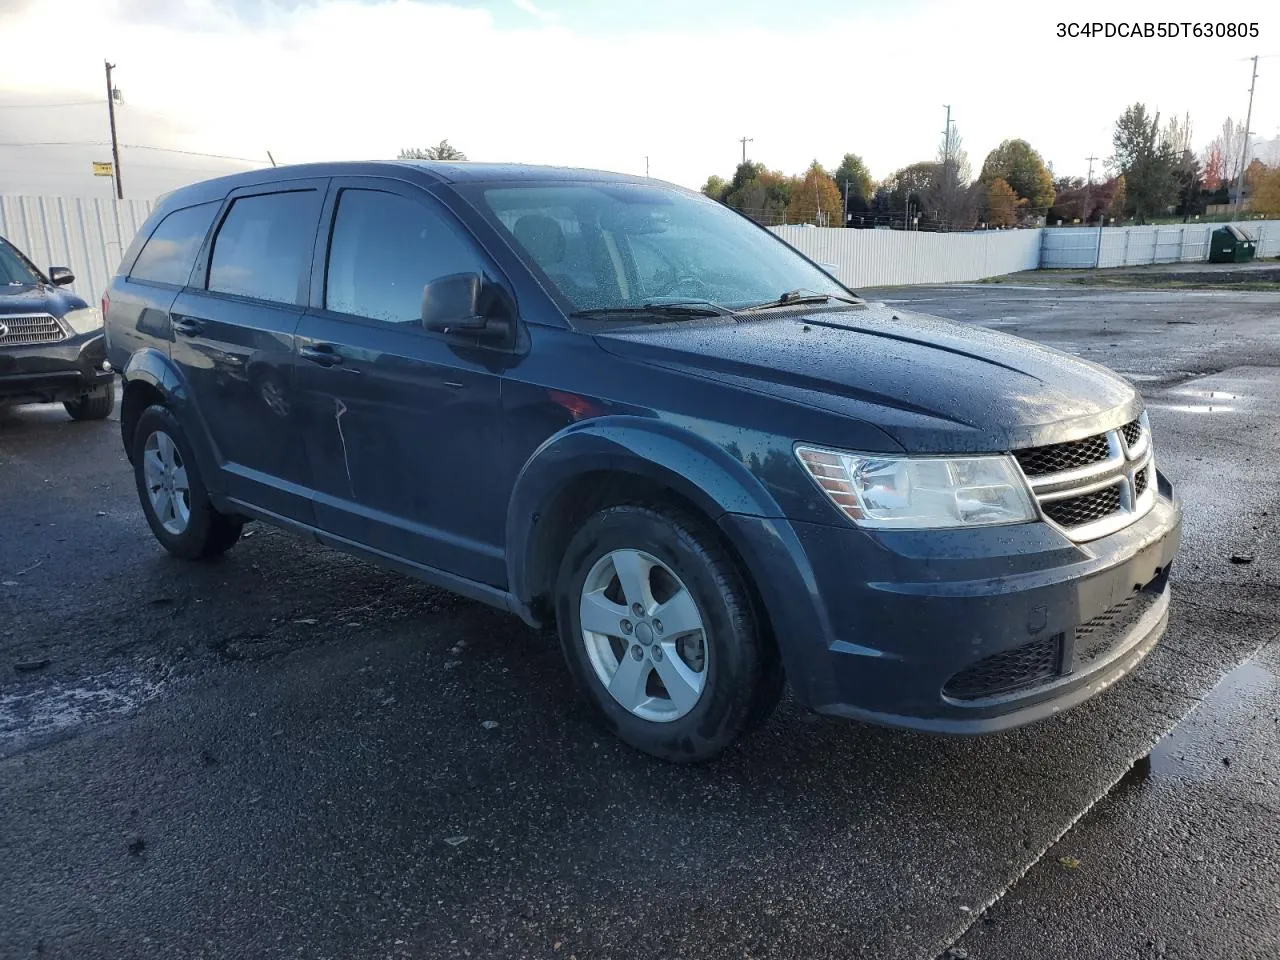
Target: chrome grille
{"x":1057,"y":457}
{"x":1096,"y":485}
{"x":1086,"y":508}
{"x":1132,"y":432}
{"x":29,"y":328}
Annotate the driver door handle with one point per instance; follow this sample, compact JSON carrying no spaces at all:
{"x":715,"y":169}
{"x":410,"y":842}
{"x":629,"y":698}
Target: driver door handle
{"x":322,"y":354}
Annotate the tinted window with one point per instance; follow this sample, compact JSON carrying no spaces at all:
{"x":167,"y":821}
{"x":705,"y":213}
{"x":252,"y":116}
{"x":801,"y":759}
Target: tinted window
{"x":385,"y":249}
{"x":172,"y":248}
{"x":624,"y":245}
{"x":263,"y":245}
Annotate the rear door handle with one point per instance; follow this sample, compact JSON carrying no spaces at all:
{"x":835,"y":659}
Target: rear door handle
{"x":188,"y":326}
{"x":321,"y":353}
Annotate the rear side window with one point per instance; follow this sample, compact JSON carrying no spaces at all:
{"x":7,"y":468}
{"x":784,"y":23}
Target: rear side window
{"x":385,"y":249}
{"x":168,"y":255}
{"x":263,"y":245}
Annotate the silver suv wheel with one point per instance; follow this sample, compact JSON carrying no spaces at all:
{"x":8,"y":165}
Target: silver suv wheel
{"x":644,"y":635}
{"x":166,"y":481}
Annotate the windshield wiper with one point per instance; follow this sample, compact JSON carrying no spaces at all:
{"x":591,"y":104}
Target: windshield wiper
{"x":682,"y":308}
{"x":793,"y":298}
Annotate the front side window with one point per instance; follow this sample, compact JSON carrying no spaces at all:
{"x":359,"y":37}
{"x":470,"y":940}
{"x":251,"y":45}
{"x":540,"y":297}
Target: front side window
{"x":263,"y":245}
{"x":15,"y":271}
{"x":622,"y":245}
{"x":385,"y":249}
{"x":171,"y":250}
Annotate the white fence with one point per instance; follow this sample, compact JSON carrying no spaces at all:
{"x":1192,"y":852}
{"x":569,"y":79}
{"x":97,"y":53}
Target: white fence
{"x":884,"y":258}
{"x":89,"y":235}
{"x":1131,"y":246}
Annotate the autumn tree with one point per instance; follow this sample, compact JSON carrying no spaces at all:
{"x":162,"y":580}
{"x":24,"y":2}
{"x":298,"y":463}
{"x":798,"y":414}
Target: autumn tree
{"x":815,"y":199}
{"x":1266,"y":195}
{"x":715,"y":187}
{"x":1119,"y":198}
{"x":854,"y":175}
{"x":759,"y":193}
{"x":1213,"y":168}
{"x":1002,"y":204}
{"x":1023,"y":170}
{"x":443,"y":150}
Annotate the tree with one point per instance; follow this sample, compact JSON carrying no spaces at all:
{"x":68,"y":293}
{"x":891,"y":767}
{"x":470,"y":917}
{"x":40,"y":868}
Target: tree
{"x":853,"y":175}
{"x":1119,"y":198}
{"x":1266,"y":195}
{"x":759,"y":193}
{"x":1002,"y":204}
{"x":715,"y":187}
{"x":1022,"y":169}
{"x":1214,"y":167}
{"x":815,"y":199}
{"x":951,"y":200}
{"x":443,"y":150}
{"x":1189,"y":185}
{"x":913,"y":185}
{"x":1253,"y":173}
{"x":1146,"y":160}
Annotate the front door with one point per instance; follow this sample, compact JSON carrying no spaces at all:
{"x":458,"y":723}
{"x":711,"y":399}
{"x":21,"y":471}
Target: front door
{"x":403,"y":424}
{"x":233,"y":331}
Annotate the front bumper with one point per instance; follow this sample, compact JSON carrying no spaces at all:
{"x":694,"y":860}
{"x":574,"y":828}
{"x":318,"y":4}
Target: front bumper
{"x":966,"y":631}
{"x":51,"y":372}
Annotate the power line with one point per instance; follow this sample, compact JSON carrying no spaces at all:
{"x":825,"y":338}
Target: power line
{"x":45,"y":106}
{"x":128,"y":146}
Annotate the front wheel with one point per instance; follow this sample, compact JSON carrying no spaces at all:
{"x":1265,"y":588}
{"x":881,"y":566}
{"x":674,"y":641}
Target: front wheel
{"x":659,"y":630}
{"x":97,"y":404}
{"x":174,"y":498}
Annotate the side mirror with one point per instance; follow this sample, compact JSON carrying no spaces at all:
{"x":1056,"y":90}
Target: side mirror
{"x":61,"y":276}
{"x":453,"y":303}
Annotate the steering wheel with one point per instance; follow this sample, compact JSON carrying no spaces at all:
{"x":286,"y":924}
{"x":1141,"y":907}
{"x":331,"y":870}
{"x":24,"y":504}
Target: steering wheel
{"x":681,"y":284}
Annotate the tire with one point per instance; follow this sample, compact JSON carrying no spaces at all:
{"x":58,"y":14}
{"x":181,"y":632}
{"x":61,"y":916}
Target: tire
{"x":97,"y":404}
{"x":729,"y":661}
{"x":203,"y":533}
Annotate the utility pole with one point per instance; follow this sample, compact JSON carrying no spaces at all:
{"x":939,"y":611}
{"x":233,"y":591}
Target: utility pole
{"x":646,"y":165}
{"x":1088,"y":187}
{"x":112,"y":93}
{"x":744,"y":141}
{"x":1244,"y":150}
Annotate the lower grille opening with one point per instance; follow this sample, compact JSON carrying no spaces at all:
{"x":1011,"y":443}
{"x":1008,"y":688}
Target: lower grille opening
{"x":1140,"y":483}
{"x":1086,"y":508}
{"x":1097,"y":637}
{"x":1008,"y":670}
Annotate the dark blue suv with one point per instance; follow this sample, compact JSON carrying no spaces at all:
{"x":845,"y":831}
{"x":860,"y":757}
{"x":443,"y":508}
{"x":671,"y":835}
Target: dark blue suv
{"x":616,"y":406}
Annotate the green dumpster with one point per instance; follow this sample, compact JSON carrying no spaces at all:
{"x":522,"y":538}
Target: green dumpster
{"x":1230,"y":244}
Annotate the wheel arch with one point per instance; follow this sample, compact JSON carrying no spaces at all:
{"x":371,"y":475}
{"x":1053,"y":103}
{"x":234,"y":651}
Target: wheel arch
{"x":608,"y":461}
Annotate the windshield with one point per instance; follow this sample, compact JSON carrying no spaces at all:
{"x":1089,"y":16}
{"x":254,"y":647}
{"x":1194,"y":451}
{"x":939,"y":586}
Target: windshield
{"x":14,"y":269}
{"x":624,"y":246}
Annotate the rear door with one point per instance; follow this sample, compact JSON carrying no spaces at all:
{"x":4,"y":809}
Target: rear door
{"x":233,"y":339}
{"x":404,"y":430}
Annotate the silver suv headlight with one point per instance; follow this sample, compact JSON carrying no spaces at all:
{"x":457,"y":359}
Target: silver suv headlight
{"x":84,"y":320}
{"x":918,"y":493}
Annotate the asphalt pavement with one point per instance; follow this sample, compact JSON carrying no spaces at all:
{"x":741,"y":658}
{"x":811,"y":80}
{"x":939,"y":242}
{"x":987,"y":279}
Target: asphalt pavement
{"x":293,"y":753}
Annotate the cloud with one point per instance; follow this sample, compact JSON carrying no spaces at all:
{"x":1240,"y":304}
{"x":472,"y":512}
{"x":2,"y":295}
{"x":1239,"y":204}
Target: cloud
{"x":351,"y":79}
{"x":533,"y":10}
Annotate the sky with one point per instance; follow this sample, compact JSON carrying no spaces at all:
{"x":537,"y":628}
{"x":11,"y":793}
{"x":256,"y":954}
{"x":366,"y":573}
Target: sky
{"x":594,"y":83}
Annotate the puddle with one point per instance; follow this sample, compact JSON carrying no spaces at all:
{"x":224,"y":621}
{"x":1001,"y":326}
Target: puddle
{"x":1188,"y":751}
{"x":1195,"y":407}
{"x":52,"y":708}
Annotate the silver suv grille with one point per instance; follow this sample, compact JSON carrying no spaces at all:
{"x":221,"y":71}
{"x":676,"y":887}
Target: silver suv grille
{"x":1092,"y":487}
{"x":29,"y":328}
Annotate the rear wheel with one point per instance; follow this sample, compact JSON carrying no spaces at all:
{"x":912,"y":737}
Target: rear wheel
{"x":173,"y":495}
{"x":658,"y":628}
{"x":97,"y":404}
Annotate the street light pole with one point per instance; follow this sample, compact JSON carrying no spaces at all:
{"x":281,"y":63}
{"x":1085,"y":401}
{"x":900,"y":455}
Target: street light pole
{"x":115,"y":146}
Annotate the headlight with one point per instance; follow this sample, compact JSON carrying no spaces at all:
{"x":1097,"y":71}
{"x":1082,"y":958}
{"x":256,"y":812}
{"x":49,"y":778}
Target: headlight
{"x":85,"y":320}
{"x":893,"y":492}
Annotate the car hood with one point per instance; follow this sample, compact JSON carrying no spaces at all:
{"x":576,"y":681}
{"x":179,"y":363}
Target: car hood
{"x":37,"y":298}
{"x":931,"y":384}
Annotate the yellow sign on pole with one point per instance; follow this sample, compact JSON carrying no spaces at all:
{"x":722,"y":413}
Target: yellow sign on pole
{"x":102,"y":169}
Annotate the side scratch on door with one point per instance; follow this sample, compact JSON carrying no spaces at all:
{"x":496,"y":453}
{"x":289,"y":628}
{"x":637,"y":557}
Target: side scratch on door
{"x":339,"y":409}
